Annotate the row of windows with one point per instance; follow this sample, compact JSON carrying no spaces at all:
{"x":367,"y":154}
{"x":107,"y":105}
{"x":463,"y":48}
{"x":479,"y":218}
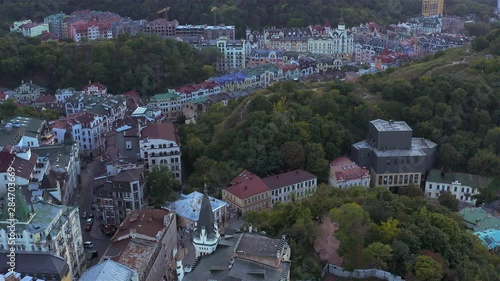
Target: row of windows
{"x":398,"y":179}
{"x":447,"y":188}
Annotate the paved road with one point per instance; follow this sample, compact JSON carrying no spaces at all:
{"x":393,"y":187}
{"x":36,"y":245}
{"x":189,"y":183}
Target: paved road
{"x":100,"y":241}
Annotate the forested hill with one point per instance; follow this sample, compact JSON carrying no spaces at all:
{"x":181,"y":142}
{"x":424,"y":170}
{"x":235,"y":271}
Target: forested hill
{"x":243,"y":13}
{"x":452,"y":99}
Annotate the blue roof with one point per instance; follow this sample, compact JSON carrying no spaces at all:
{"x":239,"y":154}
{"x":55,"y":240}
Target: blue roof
{"x":231,"y":77}
{"x":188,"y":206}
{"x":490,"y":237}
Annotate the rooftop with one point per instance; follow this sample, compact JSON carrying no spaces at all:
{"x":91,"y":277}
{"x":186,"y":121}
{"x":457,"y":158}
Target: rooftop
{"x":490,"y":237}
{"x":387,"y":126}
{"x":465,"y":179}
{"x":165,"y":131}
{"x":344,"y":168}
{"x":288,"y":178}
{"x":188,"y":206}
{"x":246,"y":185}
{"x":36,"y":262}
{"x":245,"y":267}
{"x":108,"y":270}
{"x":478,"y":220}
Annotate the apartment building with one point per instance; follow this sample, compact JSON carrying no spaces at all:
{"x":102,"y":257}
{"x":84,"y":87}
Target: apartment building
{"x":160,"y":145}
{"x":27,"y":92}
{"x":161,"y":27}
{"x":432,"y":8}
{"x":247,"y":192}
{"x":233,"y":53}
{"x":45,"y":227}
{"x":55,"y":23}
{"x":344,"y":173}
{"x":207,"y":32}
{"x":24,"y":164}
{"x":145,"y":242}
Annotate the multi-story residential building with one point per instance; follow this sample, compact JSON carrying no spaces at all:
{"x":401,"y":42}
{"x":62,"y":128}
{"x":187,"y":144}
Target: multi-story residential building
{"x":36,"y":265}
{"x":207,"y":32}
{"x":124,"y":186}
{"x":188,"y":209}
{"x":161,"y":27}
{"x":111,"y":108}
{"x":263,"y":56}
{"x":233,"y":53}
{"x":345,"y":173}
{"x":62,"y":95}
{"x":87,"y":129}
{"x":394,"y":157}
{"x":27,"y":92}
{"x":291,"y":185}
{"x":33,"y":29}
{"x":24,"y":164}
{"x":91,"y":30}
{"x":160,"y":145}
{"x":109,"y":270}
{"x":247,"y":192}
{"x":96,"y":89}
{"x":169,"y":103}
{"x":363,"y":54}
{"x":432,"y":7}
{"x":62,"y":166}
{"x":462,"y":186}
{"x":15,"y":27}
{"x":55,"y":23}
{"x":25,"y":131}
{"x":338,"y":42}
{"x":45,"y":227}
{"x":145,"y":242}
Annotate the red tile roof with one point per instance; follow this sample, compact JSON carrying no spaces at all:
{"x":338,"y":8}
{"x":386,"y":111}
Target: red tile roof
{"x":23,"y":167}
{"x":247,"y":184}
{"x":45,"y":99}
{"x":99,"y":86}
{"x":288,"y":178}
{"x":165,"y":131}
{"x":189,"y":88}
{"x":5,"y":160}
{"x":344,"y":169}
{"x":208,"y":84}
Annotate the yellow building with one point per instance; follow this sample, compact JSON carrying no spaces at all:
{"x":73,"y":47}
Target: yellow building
{"x":432,"y":7}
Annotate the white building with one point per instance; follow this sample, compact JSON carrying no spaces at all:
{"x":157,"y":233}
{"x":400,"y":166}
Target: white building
{"x":462,"y":186}
{"x":45,"y":227}
{"x":86,"y":128}
{"x":344,"y":173}
{"x":23,"y":163}
{"x":285,"y":186}
{"x":160,"y":145}
{"x":338,"y":43}
{"x":233,"y":53}
{"x":62,"y":95}
{"x":206,"y":235}
{"x":97,"y":89}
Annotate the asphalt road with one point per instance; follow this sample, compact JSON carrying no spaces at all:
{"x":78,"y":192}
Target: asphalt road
{"x":85,"y":199}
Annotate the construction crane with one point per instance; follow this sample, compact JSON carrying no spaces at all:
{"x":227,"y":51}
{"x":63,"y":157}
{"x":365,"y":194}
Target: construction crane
{"x":165,"y":11}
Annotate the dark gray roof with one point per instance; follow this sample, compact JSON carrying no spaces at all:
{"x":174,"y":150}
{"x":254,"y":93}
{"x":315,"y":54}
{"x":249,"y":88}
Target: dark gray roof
{"x":206,"y":218}
{"x":39,"y":263}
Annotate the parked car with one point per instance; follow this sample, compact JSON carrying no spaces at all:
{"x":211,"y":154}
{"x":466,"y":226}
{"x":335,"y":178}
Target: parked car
{"x":90,"y":221}
{"x":88,"y":244}
{"x":84,"y":215}
{"x":88,"y":227}
{"x":91,"y":215}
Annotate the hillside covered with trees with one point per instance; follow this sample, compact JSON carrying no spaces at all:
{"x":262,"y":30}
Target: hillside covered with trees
{"x":148,"y":64}
{"x":250,"y":13}
{"x":452,"y":99}
{"x":377,"y":229}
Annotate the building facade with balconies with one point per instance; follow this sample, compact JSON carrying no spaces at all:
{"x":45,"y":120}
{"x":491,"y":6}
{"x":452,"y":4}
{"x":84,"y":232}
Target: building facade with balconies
{"x":45,"y":227}
{"x":160,"y":145}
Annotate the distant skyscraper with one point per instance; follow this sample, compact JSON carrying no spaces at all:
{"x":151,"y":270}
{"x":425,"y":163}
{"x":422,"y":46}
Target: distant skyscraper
{"x":432,"y":7}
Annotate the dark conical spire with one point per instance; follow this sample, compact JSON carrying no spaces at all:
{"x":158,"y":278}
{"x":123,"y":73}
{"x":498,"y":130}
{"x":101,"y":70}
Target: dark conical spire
{"x":206,"y":219}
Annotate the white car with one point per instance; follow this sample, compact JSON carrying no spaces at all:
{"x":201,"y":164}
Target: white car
{"x":88,"y":244}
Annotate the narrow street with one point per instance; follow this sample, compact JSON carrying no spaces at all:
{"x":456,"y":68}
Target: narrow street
{"x":84,"y":199}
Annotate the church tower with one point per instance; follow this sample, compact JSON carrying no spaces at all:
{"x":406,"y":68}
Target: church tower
{"x":206,"y":234}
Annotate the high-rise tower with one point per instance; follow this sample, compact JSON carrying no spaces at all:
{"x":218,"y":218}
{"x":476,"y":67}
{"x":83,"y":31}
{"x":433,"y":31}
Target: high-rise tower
{"x":432,"y":7}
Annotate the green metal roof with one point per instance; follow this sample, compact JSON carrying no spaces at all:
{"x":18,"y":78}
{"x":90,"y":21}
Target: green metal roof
{"x":165,"y":96}
{"x":465,"y":179}
{"x":200,"y":100}
{"x":478,"y":220}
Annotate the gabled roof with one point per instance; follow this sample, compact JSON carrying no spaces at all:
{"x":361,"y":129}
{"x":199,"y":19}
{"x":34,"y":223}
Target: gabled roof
{"x":288,"y":178}
{"x":246,"y":185}
{"x":477,"y":219}
{"x":343,"y":169}
{"x":108,"y":270}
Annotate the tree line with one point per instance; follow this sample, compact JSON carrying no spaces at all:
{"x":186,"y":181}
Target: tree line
{"x":148,"y":64}
{"x":251,"y":13}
